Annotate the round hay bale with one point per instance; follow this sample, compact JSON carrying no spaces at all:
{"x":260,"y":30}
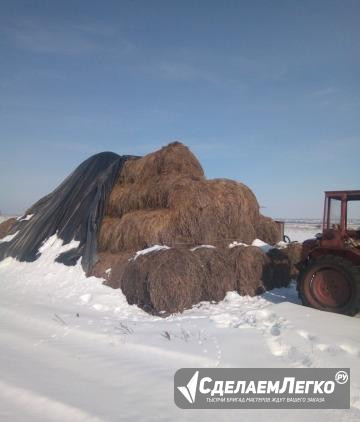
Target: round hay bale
{"x":280,"y":267}
{"x":118,"y":269}
{"x":6,"y":226}
{"x":252,"y":270}
{"x":175,"y":158}
{"x":148,"y":194}
{"x":135,"y":231}
{"x":213,"y":210}
{"x":268,"y":230}
{"x":293,"y":252}
{"x":220,"y":277}
{"x":165,"y":281}
{"x":147,"y":182}
{"x":115,"y":263}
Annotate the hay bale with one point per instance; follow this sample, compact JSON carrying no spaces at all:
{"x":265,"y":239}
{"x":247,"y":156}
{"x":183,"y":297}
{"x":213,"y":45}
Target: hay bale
{"x":148,"y":194}
{"x":118,"y":269}
{"x":146,"y":183}
{"x":280,"y":266}
{"x":175,"y":158}
{"x":135,"y":231}
{"x":115,"y":263}
{"x":268,"y":230}
{"x":206,"y":212}
{"x":6,"y":226}
{"x":220,"y":277}
{"x":165,"y":281}
{"x":252,"y":270}
{"x":293,"y":252}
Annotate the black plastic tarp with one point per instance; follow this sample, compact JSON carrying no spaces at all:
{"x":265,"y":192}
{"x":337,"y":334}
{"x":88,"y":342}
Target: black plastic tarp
{"x":74,"y":210}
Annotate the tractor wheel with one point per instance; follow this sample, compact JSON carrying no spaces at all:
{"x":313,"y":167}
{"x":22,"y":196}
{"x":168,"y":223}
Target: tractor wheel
{"x":330,"y":283}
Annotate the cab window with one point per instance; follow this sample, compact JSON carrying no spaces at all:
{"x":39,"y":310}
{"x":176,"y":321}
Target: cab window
{"x":335,"y":214}
{"x":353,"y":215}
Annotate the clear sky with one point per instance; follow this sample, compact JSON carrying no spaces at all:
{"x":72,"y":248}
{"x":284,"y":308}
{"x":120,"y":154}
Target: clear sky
{"x":265,"y":92}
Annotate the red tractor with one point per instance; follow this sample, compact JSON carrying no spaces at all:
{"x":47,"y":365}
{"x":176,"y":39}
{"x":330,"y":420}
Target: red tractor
{"x":329,"y":276}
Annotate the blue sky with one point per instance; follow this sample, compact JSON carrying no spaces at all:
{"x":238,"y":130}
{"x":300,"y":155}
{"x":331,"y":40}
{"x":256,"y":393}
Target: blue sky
{"x":264,"y":92}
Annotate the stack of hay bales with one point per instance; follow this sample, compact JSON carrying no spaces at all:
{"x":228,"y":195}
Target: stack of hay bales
{"x":175,"y":279}
{"x":171,"y":280}
{"x":164,"y":198}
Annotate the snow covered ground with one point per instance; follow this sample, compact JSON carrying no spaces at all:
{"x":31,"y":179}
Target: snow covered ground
{"x":74,"y":350}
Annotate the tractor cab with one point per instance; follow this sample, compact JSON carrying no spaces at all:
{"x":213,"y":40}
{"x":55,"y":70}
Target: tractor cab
{"x":341,"y":223}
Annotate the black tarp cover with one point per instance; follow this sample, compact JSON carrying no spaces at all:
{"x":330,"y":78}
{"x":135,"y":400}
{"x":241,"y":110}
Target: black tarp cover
{"x":74,"y":210}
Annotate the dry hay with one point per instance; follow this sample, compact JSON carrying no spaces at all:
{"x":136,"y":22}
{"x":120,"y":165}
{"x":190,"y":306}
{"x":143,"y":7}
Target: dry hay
{"x":280,"y":266}
{"x":135,"y":231}
{"x":169,"y":280}
{"x":172,"y":280}
{"x":6,"y":226}
{"x":213,"y":210}
{"x":164,"y":281}
{"x":268,"y":230}
{"x":164,"y":198}
{"x":110,"y":267}
{"x":148,"y":182}
{"x":175,"y":158}
{"x":252,"y":270}
{"x":220,"y":277}
{"x":293,"y":252}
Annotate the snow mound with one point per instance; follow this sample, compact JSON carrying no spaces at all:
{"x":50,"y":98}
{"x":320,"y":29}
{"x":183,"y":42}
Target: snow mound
{"x":9,"y":237}
{"x":149,"y":250}
{"x":265,"y":247}
{"x":202,"y":246}
{"x":26,"y":217}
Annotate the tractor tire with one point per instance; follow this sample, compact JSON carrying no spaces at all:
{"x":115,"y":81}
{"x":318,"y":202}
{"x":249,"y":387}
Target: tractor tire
{"x":330,"y":283}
